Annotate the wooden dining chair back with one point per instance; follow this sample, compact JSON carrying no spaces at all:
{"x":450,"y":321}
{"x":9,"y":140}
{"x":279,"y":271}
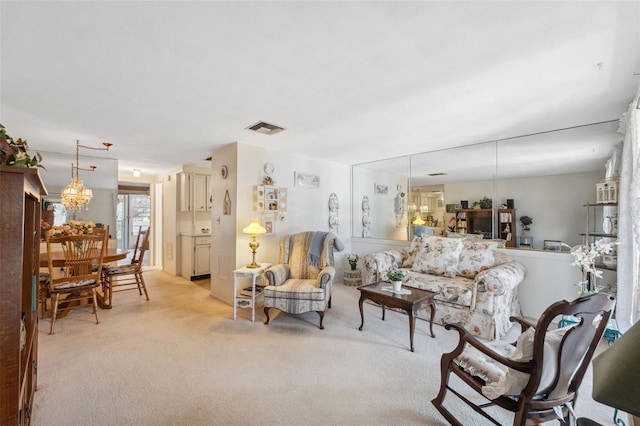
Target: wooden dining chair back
{"x":539,"y":377}
{"x":80,"y":275}
{"x":128,"y":276}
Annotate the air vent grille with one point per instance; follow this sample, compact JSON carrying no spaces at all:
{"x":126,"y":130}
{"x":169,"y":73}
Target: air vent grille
{"x":436,"y":174}
{"x":265,"y":128}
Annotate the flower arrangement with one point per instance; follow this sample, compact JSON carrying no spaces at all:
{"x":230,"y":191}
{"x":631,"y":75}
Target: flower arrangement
{"x":396,"y":275}
{"x":44,"y":227}
{"x":584,"y":256}
{"x":353,"y":258}
{"x":73,"y":227}
{"x":14,"y":152}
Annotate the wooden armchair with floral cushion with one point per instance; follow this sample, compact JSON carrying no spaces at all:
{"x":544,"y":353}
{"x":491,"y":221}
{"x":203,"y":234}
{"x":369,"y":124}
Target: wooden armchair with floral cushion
{"x":302,"y":280}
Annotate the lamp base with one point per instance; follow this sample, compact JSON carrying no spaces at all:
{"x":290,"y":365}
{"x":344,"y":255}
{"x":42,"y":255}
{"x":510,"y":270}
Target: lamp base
{"x":253,"y":265}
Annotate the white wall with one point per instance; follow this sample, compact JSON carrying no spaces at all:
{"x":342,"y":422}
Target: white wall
{"x":170,"y":226}
{"x":307,"y":208}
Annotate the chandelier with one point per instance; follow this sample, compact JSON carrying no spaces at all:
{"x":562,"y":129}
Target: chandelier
{"x":76,"y":195}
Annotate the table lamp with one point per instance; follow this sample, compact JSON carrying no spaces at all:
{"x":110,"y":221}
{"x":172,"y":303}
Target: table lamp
{"x":418,"y":221}
{"x":254,"y":229}
{"x":616,"y":375}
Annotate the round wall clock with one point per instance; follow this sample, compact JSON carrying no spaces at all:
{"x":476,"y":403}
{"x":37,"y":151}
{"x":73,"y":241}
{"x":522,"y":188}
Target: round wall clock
{"x":224,"y":172}
{"x":269,"y":168}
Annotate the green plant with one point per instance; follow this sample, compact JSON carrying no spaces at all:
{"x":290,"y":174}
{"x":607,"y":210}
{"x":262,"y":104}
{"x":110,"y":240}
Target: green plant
{"x":525,"y":221}
{"x":484,"y":203}
{"x":396,"y":275}
{"x":15,"y":152}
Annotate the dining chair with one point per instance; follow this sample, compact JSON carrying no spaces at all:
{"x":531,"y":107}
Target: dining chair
{"x":128,"y":276}
{"x":80,"y":274}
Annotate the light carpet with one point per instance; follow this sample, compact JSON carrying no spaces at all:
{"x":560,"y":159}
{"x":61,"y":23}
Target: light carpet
{"x":180,"y":359}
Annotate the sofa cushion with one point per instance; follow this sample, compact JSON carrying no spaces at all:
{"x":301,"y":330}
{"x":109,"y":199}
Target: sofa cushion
{"x":476,"y":256}
{"x":457,"y":290}
{"x":417,"y":244}
{"x":439,"y":256}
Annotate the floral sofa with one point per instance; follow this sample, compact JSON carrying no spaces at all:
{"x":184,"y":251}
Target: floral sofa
{"x":476,"y":284}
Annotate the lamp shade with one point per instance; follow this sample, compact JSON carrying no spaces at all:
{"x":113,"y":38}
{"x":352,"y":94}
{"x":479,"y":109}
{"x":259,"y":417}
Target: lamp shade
{"x":616,"y":373}
{"x":254,"y":228}
{"x":418,"y":221}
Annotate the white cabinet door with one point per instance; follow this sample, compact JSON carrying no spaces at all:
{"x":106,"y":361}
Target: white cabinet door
{"x":184,"y":188}
{"x":199,"y":188}
{"x":208,"y":194}
{"x":202,"y":259}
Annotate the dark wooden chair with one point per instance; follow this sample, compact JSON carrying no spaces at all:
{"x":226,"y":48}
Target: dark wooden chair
{"x":547,"y":385}
{"x":80,"y":275}
{"x":128,"y":276}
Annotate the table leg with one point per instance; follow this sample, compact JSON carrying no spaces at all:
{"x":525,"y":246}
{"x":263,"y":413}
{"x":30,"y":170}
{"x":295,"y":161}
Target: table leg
{"x":253,"y":298}
{"x":360,"y":302}
{"x":235,"y":294}
{"x":412,"y":326}
{"x":383,"y":310}
{"x":432,"y":305}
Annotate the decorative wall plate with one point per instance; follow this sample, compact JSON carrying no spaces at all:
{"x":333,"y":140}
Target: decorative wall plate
{"x":224,"y":172}
{"x":269,"y":168}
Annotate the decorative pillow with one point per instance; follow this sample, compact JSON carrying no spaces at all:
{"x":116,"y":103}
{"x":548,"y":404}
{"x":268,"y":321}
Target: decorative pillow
{"x":512,"y":381}
{"x":476,"y":256}
{"x":416,"y":245}
{"x":439,"y":256}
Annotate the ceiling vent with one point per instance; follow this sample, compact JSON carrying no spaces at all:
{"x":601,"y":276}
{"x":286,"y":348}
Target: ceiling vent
{"x":265,"y":128}
{"x":436,"y":174}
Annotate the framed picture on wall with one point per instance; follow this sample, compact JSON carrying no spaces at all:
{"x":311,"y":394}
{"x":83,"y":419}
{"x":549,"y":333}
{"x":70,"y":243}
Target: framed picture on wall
{"x":379,"y":189}
{"x":306,"y":180}
{"x":269,"y":223}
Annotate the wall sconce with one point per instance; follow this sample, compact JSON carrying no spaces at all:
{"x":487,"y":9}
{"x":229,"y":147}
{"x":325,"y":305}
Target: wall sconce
{"x":254,"y":229}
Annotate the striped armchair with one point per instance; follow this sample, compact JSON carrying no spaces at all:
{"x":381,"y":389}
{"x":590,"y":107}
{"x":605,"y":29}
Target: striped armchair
{"x":303,"y":278}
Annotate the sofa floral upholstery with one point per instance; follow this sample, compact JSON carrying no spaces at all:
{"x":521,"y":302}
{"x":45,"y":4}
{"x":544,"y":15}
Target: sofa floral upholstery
{"x":475,"y":284}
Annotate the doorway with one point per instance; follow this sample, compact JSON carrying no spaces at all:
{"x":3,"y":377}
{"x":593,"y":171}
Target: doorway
{"x":133,"y":212}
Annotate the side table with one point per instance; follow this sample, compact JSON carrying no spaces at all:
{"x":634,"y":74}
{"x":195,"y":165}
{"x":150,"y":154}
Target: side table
{"x":353,"y":278}
{"x":240,"y":301}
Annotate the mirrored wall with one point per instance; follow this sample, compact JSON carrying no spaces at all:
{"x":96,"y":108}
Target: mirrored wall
{"x":548,"y":177}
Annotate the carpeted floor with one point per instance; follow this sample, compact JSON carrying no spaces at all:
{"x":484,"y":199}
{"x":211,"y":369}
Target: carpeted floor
{"x":179,"y":359}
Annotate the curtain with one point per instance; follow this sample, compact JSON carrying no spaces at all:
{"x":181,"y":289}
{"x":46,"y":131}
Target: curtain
{"x":628,"y":305}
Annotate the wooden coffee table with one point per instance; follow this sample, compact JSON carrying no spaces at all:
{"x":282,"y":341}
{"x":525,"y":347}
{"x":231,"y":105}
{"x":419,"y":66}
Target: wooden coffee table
{"x":410,"y":303}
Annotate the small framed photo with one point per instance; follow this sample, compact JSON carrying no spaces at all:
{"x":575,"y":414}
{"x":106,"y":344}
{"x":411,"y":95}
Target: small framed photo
{"x":380,"y":189}
{"x":552,"y":245}
{"x":269,"y":224}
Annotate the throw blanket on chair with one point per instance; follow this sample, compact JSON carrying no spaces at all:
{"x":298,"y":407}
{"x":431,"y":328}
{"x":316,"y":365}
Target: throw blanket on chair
{"x":315,"y":248}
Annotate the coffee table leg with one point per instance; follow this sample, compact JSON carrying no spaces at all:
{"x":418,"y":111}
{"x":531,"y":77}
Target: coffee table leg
{"x":360,"y":302}
{"x":432,"y":305}
{"x":412,"y":326}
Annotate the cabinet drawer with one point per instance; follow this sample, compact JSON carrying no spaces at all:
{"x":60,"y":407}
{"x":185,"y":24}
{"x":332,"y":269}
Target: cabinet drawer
{"x":202,"y":240}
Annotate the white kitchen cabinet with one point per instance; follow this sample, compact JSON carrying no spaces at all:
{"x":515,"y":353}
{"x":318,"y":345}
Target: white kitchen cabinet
{"x":195,"y":192}
{"x":196,"y":256}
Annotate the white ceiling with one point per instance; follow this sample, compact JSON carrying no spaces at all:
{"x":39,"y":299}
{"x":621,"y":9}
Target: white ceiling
{"x":168,"y":82}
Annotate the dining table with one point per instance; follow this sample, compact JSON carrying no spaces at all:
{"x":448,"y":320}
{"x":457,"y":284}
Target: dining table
{"x":111,"y":255}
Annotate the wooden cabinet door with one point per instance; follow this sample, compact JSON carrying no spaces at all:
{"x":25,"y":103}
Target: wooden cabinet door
{"x":199,"y":188}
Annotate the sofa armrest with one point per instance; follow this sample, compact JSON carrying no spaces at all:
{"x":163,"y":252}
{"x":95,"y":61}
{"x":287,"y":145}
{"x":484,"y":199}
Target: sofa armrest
{"x":501,"y":279}
{"x":277,"y":274}
{"x":375,"y":265}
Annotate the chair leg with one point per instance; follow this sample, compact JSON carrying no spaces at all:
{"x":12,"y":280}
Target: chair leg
{"x":54,"y":314}
{"x":321,"y":313}
{"x":144,"y":286}
{"x":439,"y":399}
{"x":95,"y":303}
{"x":266,"y":313}
{"x":329,"y":304}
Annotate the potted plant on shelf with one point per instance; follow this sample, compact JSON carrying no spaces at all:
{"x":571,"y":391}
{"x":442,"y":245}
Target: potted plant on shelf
{"x":484,"y":203}
{"x":396,"y":276}
{"x":525,"y":222}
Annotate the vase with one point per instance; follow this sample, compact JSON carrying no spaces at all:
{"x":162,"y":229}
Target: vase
{"x":607,"y":225}
{"x":353,"y":266}
{"x":397,"y":286}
